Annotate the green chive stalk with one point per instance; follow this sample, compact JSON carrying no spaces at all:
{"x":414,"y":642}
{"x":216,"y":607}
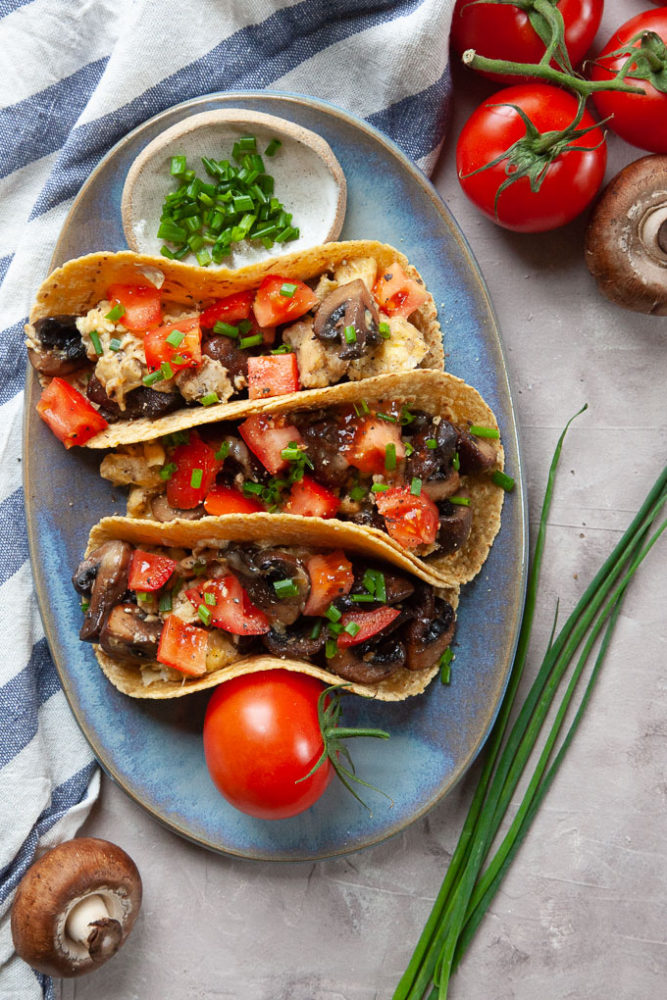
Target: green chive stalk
{"x":465,"y":893}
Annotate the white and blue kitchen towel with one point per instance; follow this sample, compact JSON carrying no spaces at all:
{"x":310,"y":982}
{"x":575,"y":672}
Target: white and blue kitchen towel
{"x":77,"y":75}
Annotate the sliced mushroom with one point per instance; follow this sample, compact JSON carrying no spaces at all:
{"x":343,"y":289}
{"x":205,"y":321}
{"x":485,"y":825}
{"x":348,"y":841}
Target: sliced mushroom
{"x":128,"y":634}
{"x":61,"y":349}
{"x":429,"y":633}
{"x":476,"y":454}
{"x":104,"y":575}
{"x":75,"y":907}
{"x":626,"y":239}
{"x":366,"y":664}
{"x":296,"y":643}
{"x":349,"y":305}
{"x":222,"y":349}
{"x":141,"y":402}
{"x":455,"y":526}
{"x":324,"y":438}
{"x":162,"y":510}
{"x":398,"y":588}
{"x":433,"y":463}
{"x":262,"y":570}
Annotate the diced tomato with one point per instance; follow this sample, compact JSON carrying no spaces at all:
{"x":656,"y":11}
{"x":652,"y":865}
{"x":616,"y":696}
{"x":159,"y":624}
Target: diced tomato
{"x":410,"y":520}
{"x":141,"y":303}
{"x":149,"y":571}
{"x":183,"y":646}
{"x":272,"y":375}
{"x":369,"y":622}
{"x":232,"y":309}
{"x":310,"y":499}
{"x":186,"y":354}
{"x":398,"y":294}
{"x":331,"y":576}
{"x":232,"y":609}
{"x":188,"y":459}
{"x":68,"y":413}
{"x":368,"y":451}
{"x":266,"y":436}
{"x":227,"y":500}
{"x":273,"y":308}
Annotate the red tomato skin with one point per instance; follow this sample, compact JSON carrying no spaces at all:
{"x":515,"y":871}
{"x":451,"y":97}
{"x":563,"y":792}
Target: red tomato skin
{"x":275,"y":375}
{"x":143,"y":310}
{"x":232,"y":309}
{"x":640,"y":119}
{"x":398,"y":294}
{"x":369,"y":622}
{"x":149,"y":571}
{"x":571,"y":182}
{"x":331,"y":576}
{"x":187,"y":457}
{"x":261,"y":735}
{"x":226,"y":500}
{"x":368,"y":451}
{"x":500,"y":31}
{"x":157,"y":349}
{"x":183,"y":647}
{"x":310,"y":499}
{"x":271,"y":308}
{"x":266,"y":437}
{"x":68,"y":413}
{"x":233,"y":610}
{"x":410,"y":520}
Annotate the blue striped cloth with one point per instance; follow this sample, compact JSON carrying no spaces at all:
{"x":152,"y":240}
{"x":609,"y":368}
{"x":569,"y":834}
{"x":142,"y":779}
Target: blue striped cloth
{"x":78,"y":76}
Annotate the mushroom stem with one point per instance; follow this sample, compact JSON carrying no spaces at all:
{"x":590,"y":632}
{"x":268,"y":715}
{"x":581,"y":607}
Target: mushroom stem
{"x":84,"y":914}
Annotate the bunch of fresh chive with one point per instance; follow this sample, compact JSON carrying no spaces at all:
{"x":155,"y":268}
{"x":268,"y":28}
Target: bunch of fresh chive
{"x":472,"y":877}
{"x":207,"y":218}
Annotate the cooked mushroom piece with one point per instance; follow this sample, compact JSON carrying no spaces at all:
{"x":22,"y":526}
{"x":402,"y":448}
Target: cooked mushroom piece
{"x":397,"y":588}
{"x":349,"y":305}
{"x":433,"y":465}
{"x":61,"y":349}
{"x":455,"y":526}
{"x":141,"y":402}
{"x":324,"y":439}
{"x":128,"y":634}
{"x":429,"y":633}
{"x":366,"y":664}
{"x":162,"y":510}
{"x":626,"y":239}
{"x":276,"y":581}
{"x":476,"y":454}
{"x":222,"y":349}
{"x":105,"y":572}
{"x":298,"y":642}
{"x":75,"y":907}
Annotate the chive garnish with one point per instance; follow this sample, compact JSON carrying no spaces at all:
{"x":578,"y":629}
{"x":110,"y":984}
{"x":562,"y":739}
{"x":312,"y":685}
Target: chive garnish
{"x":204,"y":614}
{"x":445,"y":666}
{"x":178,"y":166}
{"x":283,"y":349}
{"x":286,"y":588}
{"x":196,"y":478}
{"x":210,"y":599}
{"x":167,"y":370}
{"x":226,"y":329}
{"x":317,"y":628}
{"x":85,"y":605}
{"x":357,"y":493}
{"x":153,"y":378}
{"x":178,"y":359}
{"x":379,"y":488}
{"x":362,"y":598}
{"x":390,"y":457}
{"x":416,"y":487}
{"x":222,"y":452}
{"x":503,"y":480}
{"x":115,"y":344}
{"x":143,"y":597}
{"x":331,"y":648}
{"x":96,"y":342}
{"x":388,"y":417}
{"x":175,"y":338}
{"x":332,"y":613}
{"x":460,"y":501}
{"x":431,"y":443}
{"x":209,"y":399}
{"x":167,"y":471}
{"x":273,"y":147}
{"x":335,"y":628}
{"x":408,"y":448}
{"x":165,"y":602}
{"x":287,"y":290}
{"x":456,"y":461}
{"x":253,"y":341}
{"x":384,"y":331}
{"x":252,"y":489}
{"x":116,"y":313}
{"x":484,"y":432}
{"x":352,"y":628}
{"x":350,"y":334}
{"x":406,"y":416}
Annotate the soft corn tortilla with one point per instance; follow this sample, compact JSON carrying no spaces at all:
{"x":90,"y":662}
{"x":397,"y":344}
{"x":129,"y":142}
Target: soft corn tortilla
{"x":80,"y":284}
{"x":437,"y":393}
{"x":147,"y":681}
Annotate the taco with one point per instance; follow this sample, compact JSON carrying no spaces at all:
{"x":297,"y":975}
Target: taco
{"x":401,"y":457}
{"x":128,"y":346}
{"x":176,"y":608}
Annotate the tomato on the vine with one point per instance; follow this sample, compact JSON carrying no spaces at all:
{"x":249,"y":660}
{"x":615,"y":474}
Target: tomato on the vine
{"x":640,"y":119}
{"x":503,"y":31}
{"x":568,"y":178}
{"x":261,"y":735}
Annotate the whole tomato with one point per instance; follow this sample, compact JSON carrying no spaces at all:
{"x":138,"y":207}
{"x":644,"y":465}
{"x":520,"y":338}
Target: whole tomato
{"x":640,"y":119}
{"x":261,"y":735}
{"x":569,"y":178}
{"x":503,"y":31}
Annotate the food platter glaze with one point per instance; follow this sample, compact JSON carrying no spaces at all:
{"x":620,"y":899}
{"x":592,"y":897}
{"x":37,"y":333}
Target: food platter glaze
{"x":153,"y":750}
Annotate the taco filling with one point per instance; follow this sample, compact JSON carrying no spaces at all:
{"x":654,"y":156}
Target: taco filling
{"x":135,"y":354}
{"x":173,"y":613}
{"x":381,"y":465}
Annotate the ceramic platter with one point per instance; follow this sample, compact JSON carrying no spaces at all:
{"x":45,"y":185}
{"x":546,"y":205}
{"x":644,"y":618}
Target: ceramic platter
{"x":153,"y":750}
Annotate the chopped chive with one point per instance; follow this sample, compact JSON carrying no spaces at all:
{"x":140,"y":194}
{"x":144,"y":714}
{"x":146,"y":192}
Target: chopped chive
{"x":115,"y":344}
{"x":175,"y":338}
{"x":209,"y":399}
{"x":362,"y":598}
{"x":243,"y":203}
{"x":226,"y":330}
{"x":252,"y":489}
{"x":406,"y":416}
{"x":285,"y":588}
{"x":253,"y":341}
{"x":247,"y":143}
{"x":380,"y":587}
{"x":165,"y":603}
{"x":388,"y":417}
{"x":222,"y":452}
{"x":196,"y":478}
{"x":204,"y":614}
{"x":178,"y":166}
{"x":317,"y":628}
{"x":460,"y":501}
{"x":85,"y":605}
{"x":390,"y":457}
{"x":330,"y":649}
{"x":352,"y":628}
{"x":408,"y":448}
{"x":379,"y":488}
{"x":335,"y":628}
{"x":384,"y":331}
{"x":116,"y":313}
{"x":431,"y":443}
{"x":416,"y":487}
{"x":445,"y":666}
{"x":332,"y":613}
{"x":178,"y":359}
{"x":283,"y":349}
{"x":357,"y":493}
{"x":292,"y":452}
{"x":167,"y":471}
{"x":142,"y":596}
{"x":96,"y":342}
{"x":273,"y":147}
{"x":370,"y":580}
{"x":501,"y":479}
{"x":287,"y":290}
{"x":245,"y":326}
{"x":210,"y":600}
{"x":167,"y":370}
{"x":152,"y":378}
{"x":456,"y":462}
{"x":484,"y":432}
{"x":350,"y":334}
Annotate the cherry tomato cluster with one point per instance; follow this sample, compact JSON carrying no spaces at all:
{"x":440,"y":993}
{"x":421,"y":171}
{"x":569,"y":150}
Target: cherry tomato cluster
{"x":531,"y":157}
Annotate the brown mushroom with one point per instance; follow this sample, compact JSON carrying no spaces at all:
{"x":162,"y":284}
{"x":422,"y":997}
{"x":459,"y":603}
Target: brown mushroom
{"x":162,"y":510}
{"x":476,"y":454}
{"x":75,"y":907}
{"x":104,"y":576}
{"x":455,"y":524}
{"x":276,"y":581}
{"x":349,"y":305}
{"x":61,"y":349}
{"x":366,"y":664}
{"x":429,"y":633}
{"x":626,"y":239}
{"x":128,"y":634}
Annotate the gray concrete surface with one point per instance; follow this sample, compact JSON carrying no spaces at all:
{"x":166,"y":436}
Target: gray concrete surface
{"x":583,"y":911}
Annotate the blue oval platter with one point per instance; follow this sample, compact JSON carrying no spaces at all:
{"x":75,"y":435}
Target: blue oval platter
{"x":153,"y":750}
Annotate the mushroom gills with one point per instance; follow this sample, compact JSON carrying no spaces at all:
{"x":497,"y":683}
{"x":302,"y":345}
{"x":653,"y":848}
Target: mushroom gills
{"x":107,"y":569}
{"x":61,"y":349}
{"x":349,"y":305}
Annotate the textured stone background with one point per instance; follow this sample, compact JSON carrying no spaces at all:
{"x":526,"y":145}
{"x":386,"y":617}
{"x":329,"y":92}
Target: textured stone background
{"x":583,"y":911}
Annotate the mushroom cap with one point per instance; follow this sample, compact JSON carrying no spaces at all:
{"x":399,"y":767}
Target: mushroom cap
{"x":52,"y":887}
{"x":626,"y":240}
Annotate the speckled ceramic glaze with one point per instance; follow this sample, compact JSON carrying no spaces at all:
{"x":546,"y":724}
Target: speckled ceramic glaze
{"x":154,"y":750}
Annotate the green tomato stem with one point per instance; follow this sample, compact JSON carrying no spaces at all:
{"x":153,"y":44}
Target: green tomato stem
{"x":471,"y":59}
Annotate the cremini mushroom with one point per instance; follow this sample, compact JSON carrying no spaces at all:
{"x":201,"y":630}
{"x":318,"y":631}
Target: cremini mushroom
{"x":348,"y":317}
{"x":626,"y":239}
{"x":103,"y":576}
{"x":75,"y":907}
